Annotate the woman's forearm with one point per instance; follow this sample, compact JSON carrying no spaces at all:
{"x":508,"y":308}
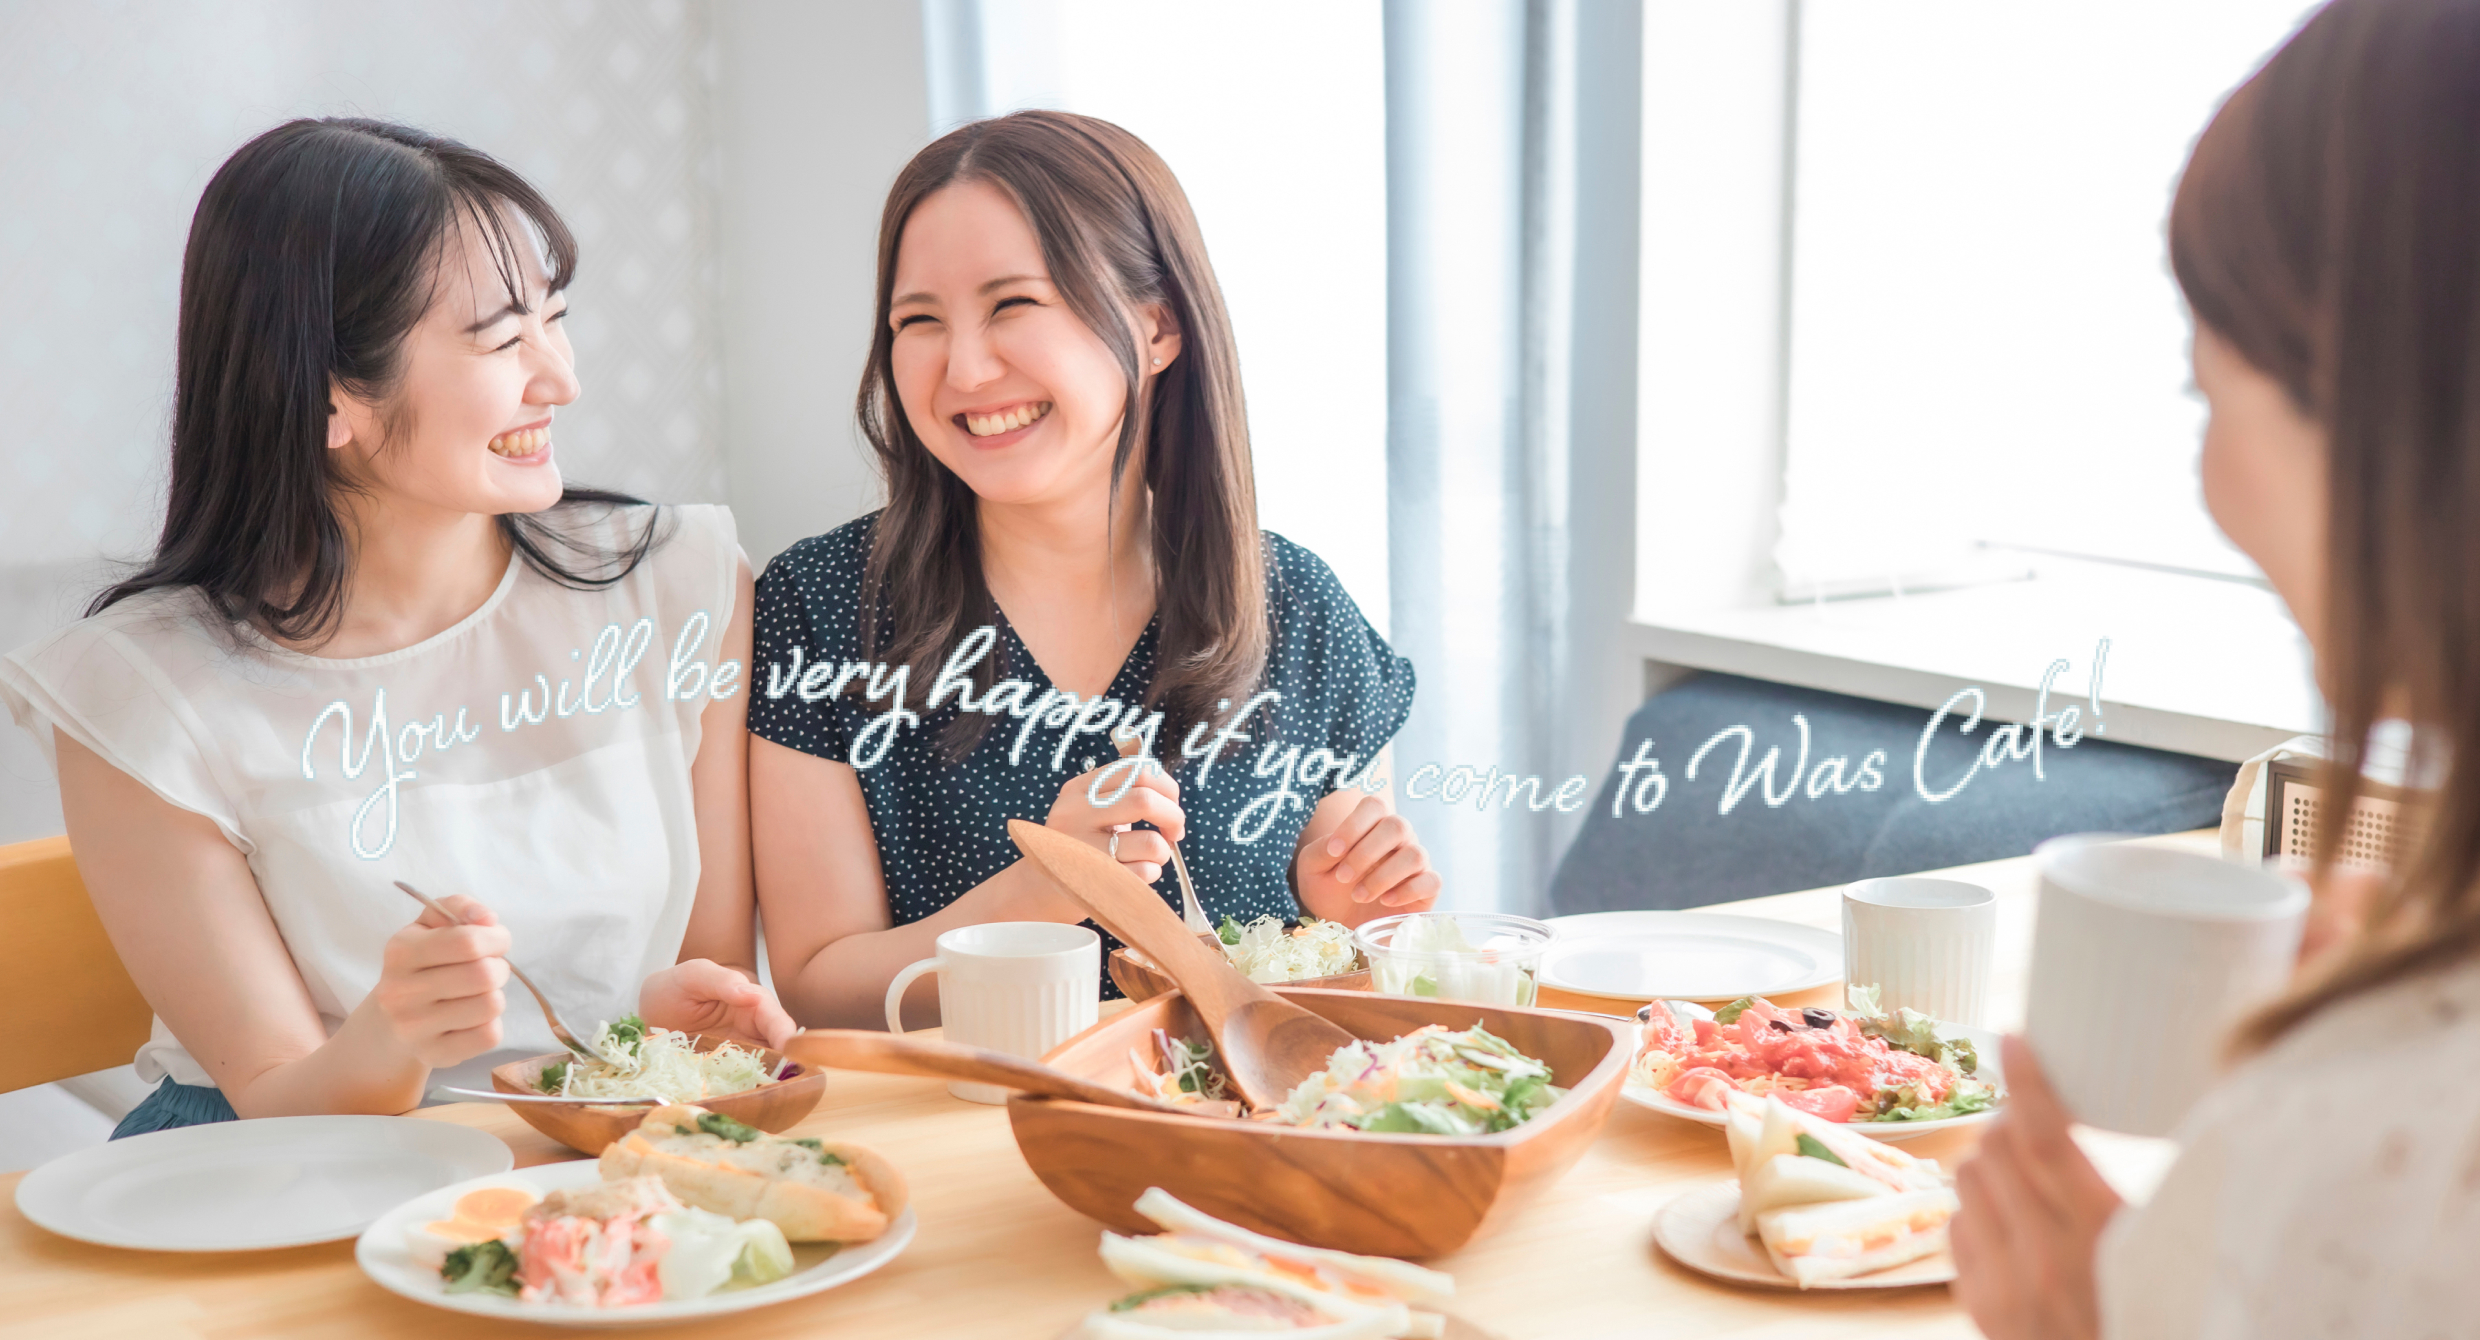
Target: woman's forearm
{"x":362,"y":1069}
{"x":844,"y":984}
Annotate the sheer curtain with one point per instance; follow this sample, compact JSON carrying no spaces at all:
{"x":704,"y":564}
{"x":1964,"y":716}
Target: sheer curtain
{"x":1512,"y":179}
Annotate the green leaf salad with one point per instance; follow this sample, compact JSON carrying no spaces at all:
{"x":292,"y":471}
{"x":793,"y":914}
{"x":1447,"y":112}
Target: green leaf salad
{"x":1432,"y":1081}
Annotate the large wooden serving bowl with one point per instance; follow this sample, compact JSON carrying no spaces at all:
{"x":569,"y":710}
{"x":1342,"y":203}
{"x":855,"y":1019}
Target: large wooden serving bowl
{"x":589,"y":1127}
{"x":1387,"y":1195}
{"x":1140,"y":978}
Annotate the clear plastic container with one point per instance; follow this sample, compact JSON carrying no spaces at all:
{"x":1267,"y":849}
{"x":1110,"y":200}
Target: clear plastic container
{"x":1478,"y":956}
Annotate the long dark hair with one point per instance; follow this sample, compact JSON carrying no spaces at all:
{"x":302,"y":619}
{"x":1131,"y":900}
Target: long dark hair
{"x":313,"y":253}
{"x":1116,"y":232}
{"x":2328,"y":229}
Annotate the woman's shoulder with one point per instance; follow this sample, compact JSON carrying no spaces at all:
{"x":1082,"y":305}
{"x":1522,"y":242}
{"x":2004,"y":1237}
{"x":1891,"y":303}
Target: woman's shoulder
{"x":837,"y":555}
{"x":2306,"y":1175}
{"x":166,"y":624}
{"x":814,"y":586}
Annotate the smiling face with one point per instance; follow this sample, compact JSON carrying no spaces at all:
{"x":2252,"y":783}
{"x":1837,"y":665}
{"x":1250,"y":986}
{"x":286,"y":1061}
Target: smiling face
{"x":468,"y":427}
{"x":997,"y":376}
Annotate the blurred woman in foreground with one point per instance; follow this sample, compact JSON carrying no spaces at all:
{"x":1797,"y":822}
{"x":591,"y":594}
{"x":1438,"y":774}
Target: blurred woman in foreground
{"x":2327,"y":237}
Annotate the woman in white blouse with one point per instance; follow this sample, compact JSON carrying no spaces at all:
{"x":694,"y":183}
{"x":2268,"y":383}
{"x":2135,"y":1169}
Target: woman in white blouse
{"x":2327,"y":237}
{"x":380,"y":641}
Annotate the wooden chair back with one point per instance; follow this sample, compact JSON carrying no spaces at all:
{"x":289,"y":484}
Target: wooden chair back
{"x":70,"y":1004}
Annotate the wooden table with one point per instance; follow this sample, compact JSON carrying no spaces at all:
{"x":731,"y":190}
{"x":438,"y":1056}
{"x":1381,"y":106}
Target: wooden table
{"x":997,"y":1256}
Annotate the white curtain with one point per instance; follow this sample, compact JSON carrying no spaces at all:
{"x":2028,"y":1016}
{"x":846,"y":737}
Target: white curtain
{"x":1512,"y":176}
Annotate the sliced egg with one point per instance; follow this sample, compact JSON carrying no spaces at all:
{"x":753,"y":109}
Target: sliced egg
{"x":478,"y":1216}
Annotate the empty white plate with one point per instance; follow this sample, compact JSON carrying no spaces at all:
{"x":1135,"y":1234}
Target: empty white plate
{"x":1688,"y":956}
{"x":816,"y":1265}
{"x":237,"y":1186}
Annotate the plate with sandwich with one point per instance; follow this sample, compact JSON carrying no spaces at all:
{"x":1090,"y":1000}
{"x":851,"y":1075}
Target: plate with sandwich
{"x":1201,"y":1274}
{"x":1815,"y":1206}
{"x":692,"y":1214}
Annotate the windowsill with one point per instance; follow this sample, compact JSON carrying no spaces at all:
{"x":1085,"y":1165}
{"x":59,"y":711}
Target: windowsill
{"x":2201,"y":667}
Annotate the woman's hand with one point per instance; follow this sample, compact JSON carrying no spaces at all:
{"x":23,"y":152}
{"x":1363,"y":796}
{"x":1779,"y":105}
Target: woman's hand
{"x":1153,"y":798}
{"x":2033,"y":1211}
{"x":439,"y":984}
{"x":1370,"y":865}
{"x":703,"y":996}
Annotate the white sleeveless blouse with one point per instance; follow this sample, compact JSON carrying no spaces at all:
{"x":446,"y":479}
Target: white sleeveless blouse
{"x":539,"y":753}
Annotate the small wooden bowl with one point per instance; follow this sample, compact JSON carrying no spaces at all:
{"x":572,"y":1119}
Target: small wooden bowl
{"x":1386,"y":1195}
{"x":1139,"y":979}
{"x":589,"y":1127}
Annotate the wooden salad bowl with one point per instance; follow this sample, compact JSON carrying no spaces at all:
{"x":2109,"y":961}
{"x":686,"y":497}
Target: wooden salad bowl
{"x":1140,"y":978}
{"x":1385,"y":1195}
{"x":589,"y":1127}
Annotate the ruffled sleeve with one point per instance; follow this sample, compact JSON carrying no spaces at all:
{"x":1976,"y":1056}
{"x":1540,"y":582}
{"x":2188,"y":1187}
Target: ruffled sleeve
{"x":808,"y":614}
{"x":1345,"y":689}
{"x":118,"y":696}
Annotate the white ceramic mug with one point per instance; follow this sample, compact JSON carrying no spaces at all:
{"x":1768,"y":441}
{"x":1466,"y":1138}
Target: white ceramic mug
{"x":2142,"y":959}
{"x":1926,"y":944}
{"x":1020,"y":987}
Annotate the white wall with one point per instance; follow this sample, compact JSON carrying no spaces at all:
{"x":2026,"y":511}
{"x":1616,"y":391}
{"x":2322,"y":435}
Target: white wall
{"x":818,"y":107}
{"x":1709,"y":344}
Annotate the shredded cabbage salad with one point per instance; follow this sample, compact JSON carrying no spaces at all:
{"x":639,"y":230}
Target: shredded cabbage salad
{"x":1266,"y":952}
{"x":1432,"y":1081}
{"x":656,"y":1064}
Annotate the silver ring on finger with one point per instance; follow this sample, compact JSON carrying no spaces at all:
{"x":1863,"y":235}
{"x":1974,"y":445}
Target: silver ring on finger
{"x":1114,"y":844}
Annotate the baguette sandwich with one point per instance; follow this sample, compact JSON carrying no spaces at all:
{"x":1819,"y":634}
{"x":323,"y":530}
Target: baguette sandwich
{"x":1202,"y":1278}
{"x":814,"y":1190}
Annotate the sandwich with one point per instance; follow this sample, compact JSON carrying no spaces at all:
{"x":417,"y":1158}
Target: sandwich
{"x":1202,"y":1277}
{"x":814,"y":1190}
{"x":617,"y":1244}
{"x":1836,"y":1240}
{"x":1828,"y":1203}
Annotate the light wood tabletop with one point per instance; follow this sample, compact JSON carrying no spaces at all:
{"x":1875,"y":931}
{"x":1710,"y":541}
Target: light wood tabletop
{"x":997,"y":1256}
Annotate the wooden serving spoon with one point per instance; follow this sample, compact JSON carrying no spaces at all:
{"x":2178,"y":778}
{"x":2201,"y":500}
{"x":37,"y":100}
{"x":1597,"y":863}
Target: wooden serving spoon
{"x":896,"y":1054}
{"x":1268,"y":1044}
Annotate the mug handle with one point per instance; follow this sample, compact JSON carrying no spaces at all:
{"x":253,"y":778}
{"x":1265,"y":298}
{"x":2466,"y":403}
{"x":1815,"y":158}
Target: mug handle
{"x":896,"y":989}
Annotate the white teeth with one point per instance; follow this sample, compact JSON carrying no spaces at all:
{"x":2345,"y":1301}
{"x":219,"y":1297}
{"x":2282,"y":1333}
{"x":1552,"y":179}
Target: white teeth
{"x":524,"y":442}
{"x":986,"y":425}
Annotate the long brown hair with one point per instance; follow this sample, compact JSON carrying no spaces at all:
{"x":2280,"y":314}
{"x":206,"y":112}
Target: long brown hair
{"x":1116,"y":233}
{"x":2328,"y":228}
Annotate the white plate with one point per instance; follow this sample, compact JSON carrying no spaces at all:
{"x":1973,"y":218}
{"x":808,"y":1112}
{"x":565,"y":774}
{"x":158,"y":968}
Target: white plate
{"x":1688,"y":956}
{"x":234,"y":1186}
{"x":816,"y":1265}
{"x":1700,"y":1230}
{"x":1892,"y":1132}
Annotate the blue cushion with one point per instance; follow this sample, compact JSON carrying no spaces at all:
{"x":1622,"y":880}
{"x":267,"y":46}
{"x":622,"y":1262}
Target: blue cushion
{"x":1686,"y":852}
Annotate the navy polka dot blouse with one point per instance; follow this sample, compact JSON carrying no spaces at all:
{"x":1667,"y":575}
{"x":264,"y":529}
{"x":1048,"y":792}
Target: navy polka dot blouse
{"x":942,"y":829}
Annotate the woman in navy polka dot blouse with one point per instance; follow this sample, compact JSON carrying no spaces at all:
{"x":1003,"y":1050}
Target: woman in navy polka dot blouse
{"x":1069,"y":558}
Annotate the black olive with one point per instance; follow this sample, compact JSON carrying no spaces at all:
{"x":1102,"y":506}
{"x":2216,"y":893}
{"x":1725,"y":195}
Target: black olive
{"x":1816,"y":1018}
{"x":1777,"y":1023}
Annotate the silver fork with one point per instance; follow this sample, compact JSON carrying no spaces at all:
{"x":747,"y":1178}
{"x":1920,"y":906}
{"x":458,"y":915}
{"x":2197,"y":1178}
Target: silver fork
{"x":558,"y":1030}
{"x":1192,"y":912}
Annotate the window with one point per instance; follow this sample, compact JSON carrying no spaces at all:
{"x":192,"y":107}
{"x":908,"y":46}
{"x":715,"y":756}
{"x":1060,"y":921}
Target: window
{"x":1985,"y":344}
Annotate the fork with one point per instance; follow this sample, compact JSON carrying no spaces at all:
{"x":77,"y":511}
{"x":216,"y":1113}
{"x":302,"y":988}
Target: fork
{"x":558,"y":1030}
{"x":1192,"y":912}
